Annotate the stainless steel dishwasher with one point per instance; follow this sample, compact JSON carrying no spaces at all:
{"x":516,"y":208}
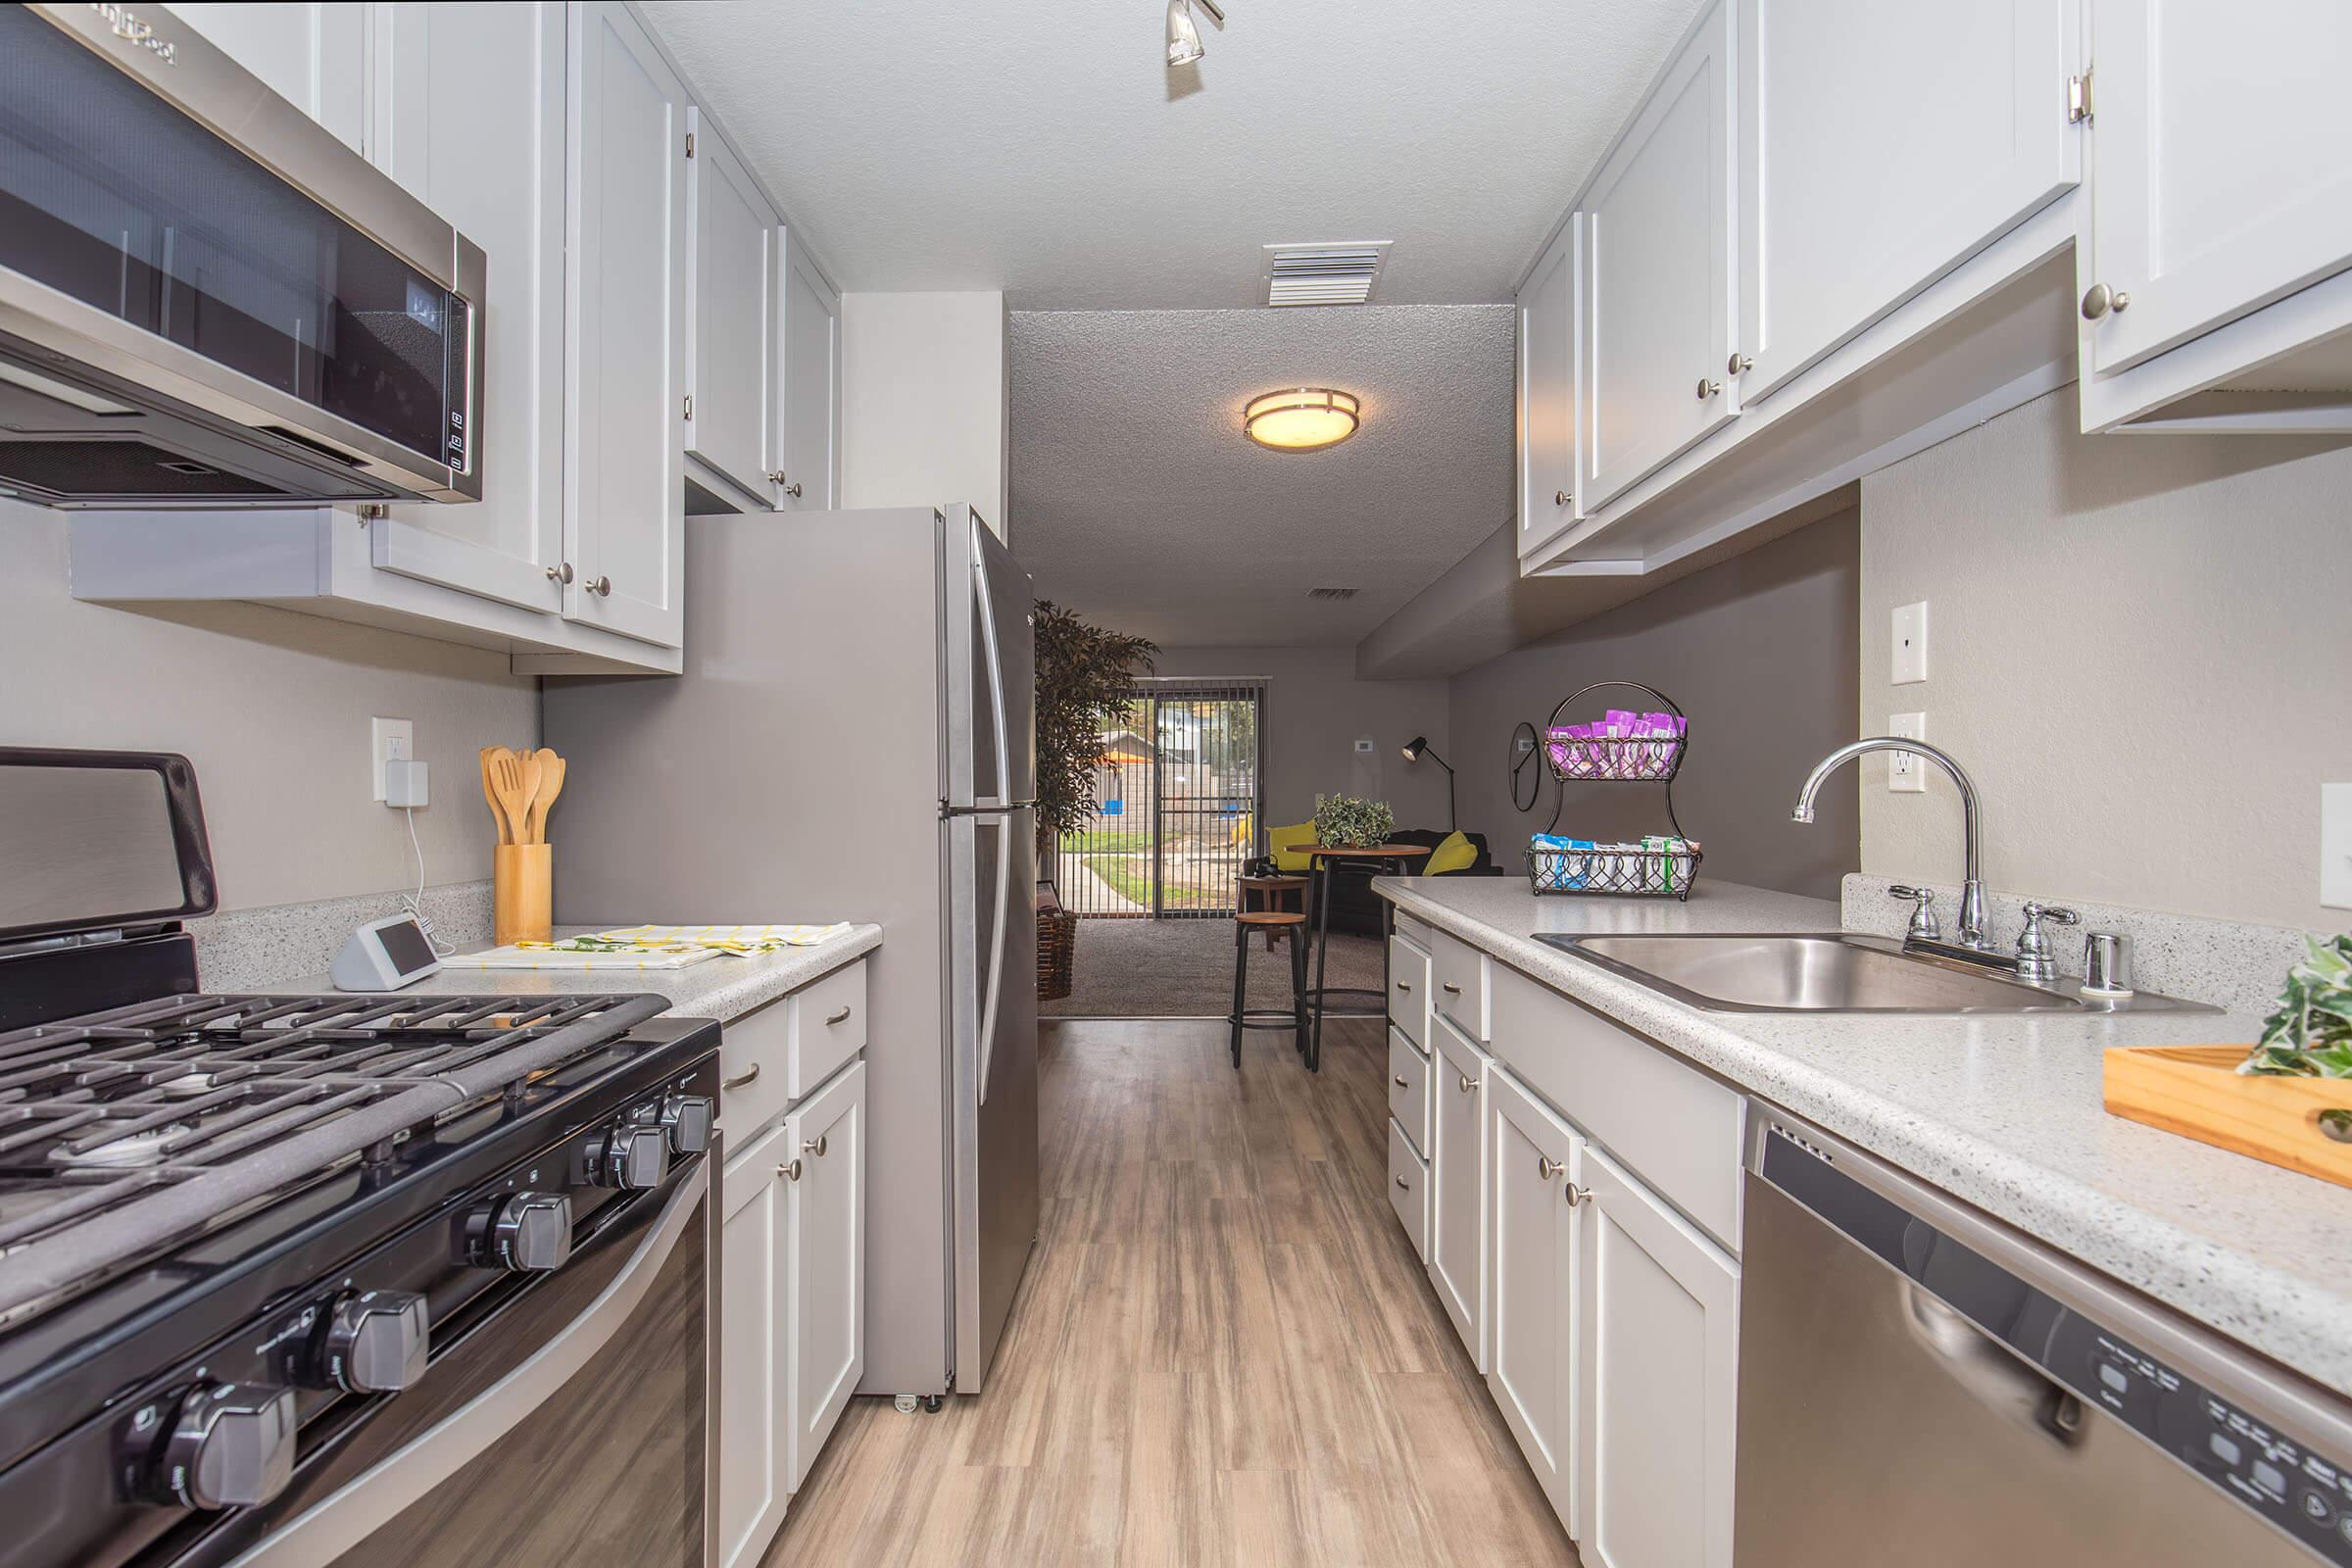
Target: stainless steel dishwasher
{"x":1921,"y":1385}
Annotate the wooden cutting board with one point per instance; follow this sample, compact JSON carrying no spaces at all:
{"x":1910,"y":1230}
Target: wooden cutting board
{"x":2197,"y":1092}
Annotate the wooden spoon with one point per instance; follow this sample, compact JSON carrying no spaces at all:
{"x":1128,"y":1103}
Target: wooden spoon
{"x":498,"y":816}
{"x":505,"y":771}
{"x":550,"y":785}
{"x":531,"y":770}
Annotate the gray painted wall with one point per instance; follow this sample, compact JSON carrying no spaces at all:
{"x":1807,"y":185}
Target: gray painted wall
{"x":2141,"y":648}
{"x":272,"y":709}
{"x":1317,"y":710}
{"x":1760,"y":650}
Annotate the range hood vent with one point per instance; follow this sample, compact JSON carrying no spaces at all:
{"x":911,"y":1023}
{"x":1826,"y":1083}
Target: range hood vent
{"x":1343,"y":272}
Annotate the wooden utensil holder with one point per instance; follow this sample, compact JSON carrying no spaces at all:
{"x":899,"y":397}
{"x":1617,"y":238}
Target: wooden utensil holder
{"x":524,"y":875}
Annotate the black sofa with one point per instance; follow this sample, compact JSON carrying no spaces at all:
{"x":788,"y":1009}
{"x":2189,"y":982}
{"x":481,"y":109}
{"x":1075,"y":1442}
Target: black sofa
{"x":1355,"y":909}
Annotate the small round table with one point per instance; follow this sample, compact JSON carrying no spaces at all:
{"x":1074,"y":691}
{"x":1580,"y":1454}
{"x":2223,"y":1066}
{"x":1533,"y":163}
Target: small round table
{"x":1390,"y":858}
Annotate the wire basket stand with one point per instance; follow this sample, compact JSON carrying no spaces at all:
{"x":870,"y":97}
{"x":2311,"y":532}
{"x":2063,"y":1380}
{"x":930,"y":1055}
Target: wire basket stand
{"x":1608,"y":872}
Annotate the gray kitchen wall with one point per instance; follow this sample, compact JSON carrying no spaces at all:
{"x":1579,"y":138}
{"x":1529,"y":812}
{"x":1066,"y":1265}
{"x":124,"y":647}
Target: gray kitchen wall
{"x":1759,"y":651}
{"x":2140,"y":645}
{"x":1316,"y":711}
{"x":272,"y":709}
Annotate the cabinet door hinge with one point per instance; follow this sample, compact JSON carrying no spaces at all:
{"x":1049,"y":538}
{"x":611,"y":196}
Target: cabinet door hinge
{"x":690,"y":405}
{"x":690,"y":145}
{"x":2078,"y":99}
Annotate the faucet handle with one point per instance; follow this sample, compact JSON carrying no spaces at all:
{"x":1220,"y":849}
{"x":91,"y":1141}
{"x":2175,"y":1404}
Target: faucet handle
{"x":2036,"y":959}
{"x":1923,"y":927}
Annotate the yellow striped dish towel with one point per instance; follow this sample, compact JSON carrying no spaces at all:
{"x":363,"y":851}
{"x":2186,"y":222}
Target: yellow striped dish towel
{"x":648,"y":947}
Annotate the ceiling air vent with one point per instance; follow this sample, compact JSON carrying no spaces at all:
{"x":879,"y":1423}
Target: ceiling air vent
{"x":1333,"y":593}
{"x":1324,"y":274}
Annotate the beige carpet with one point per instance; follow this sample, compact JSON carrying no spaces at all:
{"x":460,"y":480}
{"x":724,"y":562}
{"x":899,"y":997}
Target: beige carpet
{"x":1184,"y":969}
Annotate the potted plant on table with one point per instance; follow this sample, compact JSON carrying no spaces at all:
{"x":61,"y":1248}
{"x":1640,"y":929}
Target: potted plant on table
{"x":1345,"y":822}
{"x":1084,"y":678}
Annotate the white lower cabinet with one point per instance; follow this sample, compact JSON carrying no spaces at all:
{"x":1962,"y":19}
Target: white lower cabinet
{"x":823,"y":1162}
{"x":1531,"y":1372}
{"x":792,"y":1305}
{"x":753,"y":1478}
{"x":1458,"y":1184}
{"x":1658,"y":1343}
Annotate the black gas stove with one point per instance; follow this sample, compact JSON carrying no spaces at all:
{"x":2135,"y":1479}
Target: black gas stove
{"x":257,"y":1253}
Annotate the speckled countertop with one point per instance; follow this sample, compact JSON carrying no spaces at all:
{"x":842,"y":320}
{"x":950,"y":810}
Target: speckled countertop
{"x":2002,"y":1112}
{"x":725,"y":987}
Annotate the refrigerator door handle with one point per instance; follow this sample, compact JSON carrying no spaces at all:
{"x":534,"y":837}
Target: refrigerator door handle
{"x":995,"y":966}
{"x":995,"y":658}
{"x":1007,"y":809}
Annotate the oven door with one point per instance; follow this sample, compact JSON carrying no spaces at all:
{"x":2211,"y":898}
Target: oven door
{"x":574,"y":1423}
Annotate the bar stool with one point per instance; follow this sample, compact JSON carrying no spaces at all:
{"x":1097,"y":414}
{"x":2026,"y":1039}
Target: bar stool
{"x":1243,"y":1016}
{"x":1276,"y":893}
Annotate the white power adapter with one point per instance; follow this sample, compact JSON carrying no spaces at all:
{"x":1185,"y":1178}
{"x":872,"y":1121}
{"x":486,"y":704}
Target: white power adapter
{"x":406,"y":783}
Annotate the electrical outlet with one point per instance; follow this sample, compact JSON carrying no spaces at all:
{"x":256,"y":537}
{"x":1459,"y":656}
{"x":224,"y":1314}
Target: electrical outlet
{"x":390,"y":739}
{"x":1907,"y":774}
{"x":2336,"y":846}
{"x":1908,"y":646}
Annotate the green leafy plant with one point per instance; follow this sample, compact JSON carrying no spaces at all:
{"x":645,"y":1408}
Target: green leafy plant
{"x":1345,"y":821}
{"x":2309,"y":1036}
{"x":1084,"y":675}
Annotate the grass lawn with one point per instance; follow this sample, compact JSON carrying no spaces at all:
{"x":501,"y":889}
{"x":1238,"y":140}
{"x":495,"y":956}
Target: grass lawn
{"x":1131,"y":879}
{"x":1132,"y":843}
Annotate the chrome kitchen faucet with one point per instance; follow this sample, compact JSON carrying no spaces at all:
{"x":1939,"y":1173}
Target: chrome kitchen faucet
{"x":1971,"y":889}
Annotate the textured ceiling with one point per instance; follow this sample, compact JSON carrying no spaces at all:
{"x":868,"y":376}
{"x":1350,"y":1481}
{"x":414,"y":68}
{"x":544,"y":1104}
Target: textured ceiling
{"x":1044,"y":148}
{"x":1137,"y":499}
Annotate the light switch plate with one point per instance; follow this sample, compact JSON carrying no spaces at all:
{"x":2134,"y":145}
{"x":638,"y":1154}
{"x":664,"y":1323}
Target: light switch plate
{"x":1907,"y":774}
{"x":1908,"y":646}
{"x":2336,"y":846}
{"x":1363,"y":746}
{"x":390,"y":739}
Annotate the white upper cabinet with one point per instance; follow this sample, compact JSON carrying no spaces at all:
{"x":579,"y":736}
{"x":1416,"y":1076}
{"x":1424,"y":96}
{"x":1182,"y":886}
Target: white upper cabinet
{"x":625,"y":434}
{"x":314,"y":56}
{"x":2225,"y":162}
{"x":1658,"y":280}
{"x":1658,"y":1349}
{"x":1880,"y":146}
{"x":470,"y":119}
{"x":1547,"y":366}
{"x":808,"y":434}
{"x":734,"y":352}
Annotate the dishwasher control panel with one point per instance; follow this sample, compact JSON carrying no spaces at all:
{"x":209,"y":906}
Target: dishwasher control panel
{"x":2305,"y":1493}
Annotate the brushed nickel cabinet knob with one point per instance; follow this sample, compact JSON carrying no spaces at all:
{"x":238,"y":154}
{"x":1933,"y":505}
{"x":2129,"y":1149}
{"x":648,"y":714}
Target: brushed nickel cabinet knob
{"x":1707,"y":388}
{"x":562,"y":573}
{"x":602,"y":587}
{"x":2099,"y":299}
{"x":1560,"y":498}
{"x":1739,"y":363}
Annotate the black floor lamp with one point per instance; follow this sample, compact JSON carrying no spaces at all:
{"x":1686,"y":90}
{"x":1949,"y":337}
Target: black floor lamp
{"x":1416,"y":749}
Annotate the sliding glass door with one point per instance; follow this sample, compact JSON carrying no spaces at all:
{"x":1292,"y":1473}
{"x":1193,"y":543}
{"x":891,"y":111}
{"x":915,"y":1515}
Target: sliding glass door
{"x":1178,"y":787}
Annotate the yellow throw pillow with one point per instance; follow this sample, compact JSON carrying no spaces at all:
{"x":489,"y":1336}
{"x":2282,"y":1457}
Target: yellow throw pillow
{"x":1454,"y":853}
{"x":1285,"y":843}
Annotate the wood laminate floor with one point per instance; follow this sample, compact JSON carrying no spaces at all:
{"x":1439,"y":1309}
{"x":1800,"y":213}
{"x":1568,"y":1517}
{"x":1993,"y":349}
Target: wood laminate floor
{"x":1225,"y":1352}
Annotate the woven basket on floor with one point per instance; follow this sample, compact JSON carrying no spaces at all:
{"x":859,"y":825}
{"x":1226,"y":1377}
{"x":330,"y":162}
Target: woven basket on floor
{"x":1056,"y":948}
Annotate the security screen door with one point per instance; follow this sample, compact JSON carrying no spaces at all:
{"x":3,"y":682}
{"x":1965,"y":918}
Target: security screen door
{"x":1178,"y":789}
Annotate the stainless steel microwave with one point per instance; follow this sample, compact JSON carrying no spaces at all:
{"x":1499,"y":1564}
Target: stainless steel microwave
{"x":207,"y":300}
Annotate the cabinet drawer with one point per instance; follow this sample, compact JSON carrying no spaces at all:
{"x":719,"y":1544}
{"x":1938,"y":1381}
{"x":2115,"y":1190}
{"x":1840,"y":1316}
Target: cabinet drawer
{"x":777,"y":1054}
{"x":826,"y":1026}
{"x":1678,"y":1129}
{"x":1408,"y":990}
{"x":1409,"y":1089}
{"x":755,"y":1085}
{"x":1409,"y":1188}
{"x":1457,"y":975}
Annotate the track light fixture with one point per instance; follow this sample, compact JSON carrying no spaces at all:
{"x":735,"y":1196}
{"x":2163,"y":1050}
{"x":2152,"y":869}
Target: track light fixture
{"x":1183,"y":35}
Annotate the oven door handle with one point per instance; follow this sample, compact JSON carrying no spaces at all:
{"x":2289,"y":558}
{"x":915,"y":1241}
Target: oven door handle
{"x":350,"y":1515}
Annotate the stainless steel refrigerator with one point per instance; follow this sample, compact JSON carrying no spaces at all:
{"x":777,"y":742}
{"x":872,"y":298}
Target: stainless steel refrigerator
{"x":853,"y":738}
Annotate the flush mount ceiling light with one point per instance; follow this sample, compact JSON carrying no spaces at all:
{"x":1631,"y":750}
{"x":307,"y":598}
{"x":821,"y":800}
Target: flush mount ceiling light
{"x":1305,"y":419}
{"x":1183,"y":35}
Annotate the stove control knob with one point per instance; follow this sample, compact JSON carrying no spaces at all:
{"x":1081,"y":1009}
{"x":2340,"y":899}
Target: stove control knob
{"x":524,"y":1233}
{"x":376,"y":1342}
{"x":232,"y":1445}
{"x":688,"y":1117}
{"x":634,"y":1154}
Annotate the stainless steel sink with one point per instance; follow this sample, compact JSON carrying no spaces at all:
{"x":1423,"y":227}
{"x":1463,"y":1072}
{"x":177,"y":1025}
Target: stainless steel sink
{"x":1833,"y":972}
